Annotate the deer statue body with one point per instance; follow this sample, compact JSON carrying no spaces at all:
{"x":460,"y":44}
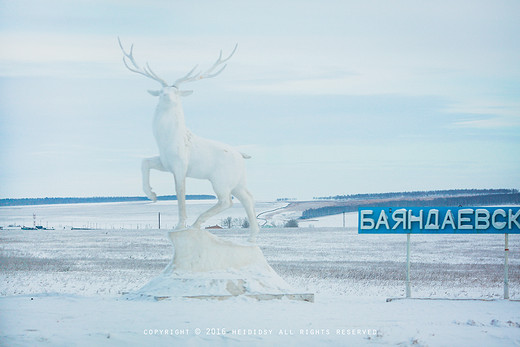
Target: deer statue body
{"x":185,"y":154}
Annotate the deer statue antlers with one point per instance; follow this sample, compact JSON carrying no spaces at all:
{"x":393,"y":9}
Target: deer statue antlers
{"x":189,"y":77}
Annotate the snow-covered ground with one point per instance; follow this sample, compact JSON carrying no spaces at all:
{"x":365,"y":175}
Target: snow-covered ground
{"x":63,"y":287}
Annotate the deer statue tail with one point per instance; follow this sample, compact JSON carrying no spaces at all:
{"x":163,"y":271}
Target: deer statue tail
{"x":245,"y":156}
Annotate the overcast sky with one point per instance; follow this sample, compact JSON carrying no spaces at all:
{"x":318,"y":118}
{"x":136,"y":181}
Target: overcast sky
{"x":328,"y":97}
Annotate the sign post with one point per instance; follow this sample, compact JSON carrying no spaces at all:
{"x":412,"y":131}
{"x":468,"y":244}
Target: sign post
{"x":408,"y":290}
{"x":441,"y":220}
{"x":506,"y":269}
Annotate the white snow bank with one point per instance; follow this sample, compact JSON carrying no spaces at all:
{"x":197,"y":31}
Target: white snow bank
{"x":64,"y":320}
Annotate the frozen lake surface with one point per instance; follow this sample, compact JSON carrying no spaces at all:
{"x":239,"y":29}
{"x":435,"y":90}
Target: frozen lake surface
{"x":63,"y":286}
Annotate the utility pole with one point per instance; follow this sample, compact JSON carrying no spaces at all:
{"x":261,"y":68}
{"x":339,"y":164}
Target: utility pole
{"x":159,"y":219}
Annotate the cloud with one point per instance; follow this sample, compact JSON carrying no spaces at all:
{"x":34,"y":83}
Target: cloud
{"x":490,"y":123}
{"x":495,"y":112}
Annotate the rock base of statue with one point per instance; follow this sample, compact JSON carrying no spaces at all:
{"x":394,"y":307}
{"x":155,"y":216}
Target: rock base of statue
{"x":207,"y":267}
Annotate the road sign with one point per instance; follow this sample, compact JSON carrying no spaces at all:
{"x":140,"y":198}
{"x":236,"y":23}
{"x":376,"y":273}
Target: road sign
{"x":439,"y":220}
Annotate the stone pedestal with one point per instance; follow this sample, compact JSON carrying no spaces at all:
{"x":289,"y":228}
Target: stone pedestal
{"x":206,"y":266}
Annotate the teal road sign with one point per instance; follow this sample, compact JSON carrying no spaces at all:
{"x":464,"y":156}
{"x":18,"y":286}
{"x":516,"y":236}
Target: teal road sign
{"x":439,"y":220}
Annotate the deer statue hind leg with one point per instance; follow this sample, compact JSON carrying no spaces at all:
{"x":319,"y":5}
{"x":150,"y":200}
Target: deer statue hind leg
{"x":224,"y":202}
{"x":246,"y":199}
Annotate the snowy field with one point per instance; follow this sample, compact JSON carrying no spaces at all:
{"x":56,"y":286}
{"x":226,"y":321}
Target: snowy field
{"x":118,"y":215}
{"x":64,"y":287}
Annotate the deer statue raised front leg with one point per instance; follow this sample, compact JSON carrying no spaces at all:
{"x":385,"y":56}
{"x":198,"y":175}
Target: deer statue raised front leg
{"x":185,"y":154}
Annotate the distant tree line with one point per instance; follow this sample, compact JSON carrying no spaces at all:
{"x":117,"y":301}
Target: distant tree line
{"x":97,"y":199}
{"x":416,"y":194}
{"x":467,"y":200}
{"x":230,"y":222}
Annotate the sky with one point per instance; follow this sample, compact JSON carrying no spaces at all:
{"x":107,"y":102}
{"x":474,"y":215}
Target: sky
{"x":328,"y":97}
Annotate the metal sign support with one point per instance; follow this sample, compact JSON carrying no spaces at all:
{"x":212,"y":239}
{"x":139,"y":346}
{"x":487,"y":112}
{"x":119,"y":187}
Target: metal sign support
{"x":506,"y":269}
{"x":408,"y":290}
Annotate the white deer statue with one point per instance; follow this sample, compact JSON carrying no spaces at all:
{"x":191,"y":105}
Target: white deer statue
{"x":185,"y":154}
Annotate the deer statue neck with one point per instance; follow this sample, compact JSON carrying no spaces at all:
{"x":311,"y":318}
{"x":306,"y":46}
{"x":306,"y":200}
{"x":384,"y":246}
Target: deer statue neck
{"x":170,"y":111}
{"x":169,"y":125}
